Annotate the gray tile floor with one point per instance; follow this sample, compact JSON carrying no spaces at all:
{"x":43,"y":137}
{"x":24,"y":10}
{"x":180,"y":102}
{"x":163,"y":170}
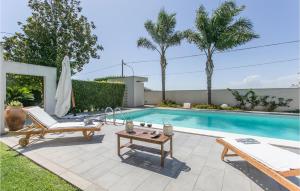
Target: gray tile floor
{"x":95,"y":165}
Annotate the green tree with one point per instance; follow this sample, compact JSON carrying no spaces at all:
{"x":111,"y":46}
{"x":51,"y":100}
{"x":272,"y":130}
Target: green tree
{"x":163,"y":36}
{"x":219,"y":32}
{"x":55,"y":28}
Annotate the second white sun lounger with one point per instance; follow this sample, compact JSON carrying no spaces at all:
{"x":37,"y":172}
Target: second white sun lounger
{"x":275,"y":162}
{"x":43,"y":123}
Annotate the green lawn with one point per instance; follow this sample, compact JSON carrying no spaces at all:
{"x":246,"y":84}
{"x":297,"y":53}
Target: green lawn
{"x":19,"y":173}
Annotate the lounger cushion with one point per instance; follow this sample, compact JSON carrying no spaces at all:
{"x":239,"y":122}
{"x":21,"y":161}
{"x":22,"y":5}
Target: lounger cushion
{"x":72,"y":125}
{"x":41,"y":116}
{"x":274,"y":157}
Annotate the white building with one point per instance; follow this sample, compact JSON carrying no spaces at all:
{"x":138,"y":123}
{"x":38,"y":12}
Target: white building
{"x":134,"y":90}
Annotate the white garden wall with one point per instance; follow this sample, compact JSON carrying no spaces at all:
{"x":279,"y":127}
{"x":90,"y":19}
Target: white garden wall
{"x":221,"y":96}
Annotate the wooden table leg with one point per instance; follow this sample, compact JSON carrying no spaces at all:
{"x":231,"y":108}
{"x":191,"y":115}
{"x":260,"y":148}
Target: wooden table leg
{"x":119,"y":145}
{"x":162,"y":159}
{"x":171,"y":147}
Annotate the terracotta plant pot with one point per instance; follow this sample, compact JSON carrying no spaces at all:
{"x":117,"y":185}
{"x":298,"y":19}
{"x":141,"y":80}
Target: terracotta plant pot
{"x":14,"y":118}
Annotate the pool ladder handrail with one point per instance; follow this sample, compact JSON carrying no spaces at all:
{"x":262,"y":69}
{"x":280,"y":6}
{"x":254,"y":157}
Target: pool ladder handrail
{"x":113,"y":111}
{"x":120,"y":113}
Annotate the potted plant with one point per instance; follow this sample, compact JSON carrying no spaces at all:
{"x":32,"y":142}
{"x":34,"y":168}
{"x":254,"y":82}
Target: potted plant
{"x":14,"y":116}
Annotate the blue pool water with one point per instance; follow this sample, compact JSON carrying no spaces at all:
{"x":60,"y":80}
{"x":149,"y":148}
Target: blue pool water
{"x":273,"y":126}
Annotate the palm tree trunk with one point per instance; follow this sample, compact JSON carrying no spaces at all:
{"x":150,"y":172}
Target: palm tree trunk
{"x":163,"y":84}
{"x":163,"y":77}
{"x":209,"y":71}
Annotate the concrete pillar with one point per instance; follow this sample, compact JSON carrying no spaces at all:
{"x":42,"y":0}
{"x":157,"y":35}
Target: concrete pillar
{"x":2,"y":90}
{"x":49,"y":92}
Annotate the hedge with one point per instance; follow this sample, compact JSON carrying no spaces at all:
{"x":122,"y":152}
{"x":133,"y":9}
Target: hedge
{"x":92,"y":95}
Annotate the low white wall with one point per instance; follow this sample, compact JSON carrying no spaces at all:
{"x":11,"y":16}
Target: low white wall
{"x":222,"y":96}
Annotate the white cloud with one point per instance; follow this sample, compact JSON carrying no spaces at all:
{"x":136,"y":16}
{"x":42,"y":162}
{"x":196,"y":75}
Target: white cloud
{"x":256,"y":81}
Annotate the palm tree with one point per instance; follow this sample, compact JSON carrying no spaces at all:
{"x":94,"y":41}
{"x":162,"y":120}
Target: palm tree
{"x":218,"y":32}
{"x":163,"y":36}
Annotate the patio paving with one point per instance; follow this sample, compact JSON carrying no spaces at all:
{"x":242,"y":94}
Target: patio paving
{"x":95,"y":165}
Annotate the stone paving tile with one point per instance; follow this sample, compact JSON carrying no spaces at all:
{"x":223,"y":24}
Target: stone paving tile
{"x":155,"y":182}
{"x":262,"y":180}
{"x":215,"y":163}
{"x":185,"y":181}
{"x":201,"y":151}
{"x":72,"y":162}
{"x":235,"y":182}
{"x":182,"y":153}
{"x":107,"y":180}
{"x":196,"y":163}
{"x":255,"y":187}
{"x":99,"y":170}
{"x":88,"y":164}
{"x":238,"y":166}
{"x":122,"y":169}
{"x":210,"y":179}
{"x":94,"y":187}
{"x":76,"y":180}
{"x":57,"y":169}
{"x":131,"y":181}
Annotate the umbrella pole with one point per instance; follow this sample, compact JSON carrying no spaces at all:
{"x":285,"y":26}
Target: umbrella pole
{"x":73,"y":103}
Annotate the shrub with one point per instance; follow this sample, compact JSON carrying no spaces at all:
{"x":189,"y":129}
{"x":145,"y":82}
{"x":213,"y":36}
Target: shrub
{"x":271,"y":103}
{"x":92,"y":95}
{"x":20,"y":94}
{"x":205,"y":106}
{"x":241,"y":99}
{"x":169,"y":103}
{"x":247,"y":101}
{"x":15,"y":104}
{"x":252,"y":100}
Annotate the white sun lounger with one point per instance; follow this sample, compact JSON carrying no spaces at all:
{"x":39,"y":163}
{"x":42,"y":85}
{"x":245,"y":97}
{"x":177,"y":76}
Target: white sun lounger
{"x":43,"y":123}
{"x":186,"y":106}
{"x":275,"y":162}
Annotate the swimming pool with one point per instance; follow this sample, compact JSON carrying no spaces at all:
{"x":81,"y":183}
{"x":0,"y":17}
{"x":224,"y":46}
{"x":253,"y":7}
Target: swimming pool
{"x":273,"y":126}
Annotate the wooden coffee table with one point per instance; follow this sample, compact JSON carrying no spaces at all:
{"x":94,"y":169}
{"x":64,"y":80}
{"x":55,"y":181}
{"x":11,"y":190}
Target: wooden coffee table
{"x":145,"y":136}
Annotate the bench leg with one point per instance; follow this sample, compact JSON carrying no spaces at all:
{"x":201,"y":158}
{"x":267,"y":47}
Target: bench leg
{"x":225,"y":151}
{"x":24,"y":141}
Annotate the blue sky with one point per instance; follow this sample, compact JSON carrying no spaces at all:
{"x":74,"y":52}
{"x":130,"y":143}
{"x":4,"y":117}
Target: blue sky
{"x":120,"y":23}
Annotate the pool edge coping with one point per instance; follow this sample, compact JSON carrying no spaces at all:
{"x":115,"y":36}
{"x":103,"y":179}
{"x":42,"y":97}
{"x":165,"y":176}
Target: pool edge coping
{"x":217,"y":134}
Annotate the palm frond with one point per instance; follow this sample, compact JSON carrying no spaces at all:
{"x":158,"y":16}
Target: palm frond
{"x":236,"y":34}
{"x":144,"y":42}
{"x":152,"y":29}
{"x":165,"y":25}
{"x":203,"y":25}
{"x":162,"y":32}
{"x":195,"y":38}
{"x":225,"y":13}
{"x":175,"y":39}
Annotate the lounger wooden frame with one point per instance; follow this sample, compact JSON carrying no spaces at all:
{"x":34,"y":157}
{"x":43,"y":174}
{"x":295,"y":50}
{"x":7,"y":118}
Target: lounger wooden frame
{"x":280,"y":177}
{"x":38,"y":129}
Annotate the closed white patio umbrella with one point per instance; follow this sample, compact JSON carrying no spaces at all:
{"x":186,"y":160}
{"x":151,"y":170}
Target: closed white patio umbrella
{"x":64,"y":89}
